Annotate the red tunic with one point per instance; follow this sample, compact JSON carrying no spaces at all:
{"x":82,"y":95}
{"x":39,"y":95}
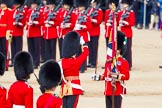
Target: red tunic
{"x":34,"y":30}
{"x":123,"y":68}
{"x":95,"y":30}
{"x":20,"y":93}
{"x":51,"y":32}
{"x":84,"y":32}
{"x":72,"y":20}
{"x":71,"y":68}
{"x":48,"y":100}
{"x":17,"y":30}
{"x":3,"y":93}
{"x":107,"y":17}
{"x":127,"y":29}
{"x":4,"y":19}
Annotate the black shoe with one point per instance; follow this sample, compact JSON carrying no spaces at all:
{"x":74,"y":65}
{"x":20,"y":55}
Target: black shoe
{"x":102,"y":67}
{"x":82,"y":71}
{"x":89,"y":65}
{"x":93,"y":66}
{"x":10,"y":65}
{"x":160,"y":66}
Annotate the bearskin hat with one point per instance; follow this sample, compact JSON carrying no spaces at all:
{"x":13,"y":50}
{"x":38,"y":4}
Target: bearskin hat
{"x":129,"y":2}
{"x":5,"y":2}
{"x":23,"y":65}
{"x":35,"y":2}
{"x":51,"y":2}
{"x":71,"y":44}
{"x":49,"y":75}
{"x":21,"y":2}
{"x":68,"y":2}
{"x":114,"y":1}
{"x":81,"y":3}
{"x":2,"y":64}
{"x":120,"y":42}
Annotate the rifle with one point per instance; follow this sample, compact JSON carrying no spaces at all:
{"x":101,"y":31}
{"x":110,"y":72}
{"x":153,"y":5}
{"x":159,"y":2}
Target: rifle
{"x":126,"y":14}
{"x":83,"y":17}
{"x":67,"y":18}
{"x":94,"y":13}
{"x":52,"y":14}
{"x":19,"y":15}
{"x":36,"y":13}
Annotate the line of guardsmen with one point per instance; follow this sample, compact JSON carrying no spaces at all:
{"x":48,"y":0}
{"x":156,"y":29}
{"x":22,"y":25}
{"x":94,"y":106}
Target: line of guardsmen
{"x":44,"y":25}
{"x":42,"y":33}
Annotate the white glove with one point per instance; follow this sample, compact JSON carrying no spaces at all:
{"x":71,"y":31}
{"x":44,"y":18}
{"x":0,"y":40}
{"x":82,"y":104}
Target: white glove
{"x":122,"y":23}
{"x":51,"y":22}
{"x":82,"y":42}
{"x":94,"y":20}
{"x":30,"y":23}
{"x":48,"y":25}
{"x":35,"y":22}
{"x":18,"y":23}
{"x":66,"y":25}
{"x":96,"y":77}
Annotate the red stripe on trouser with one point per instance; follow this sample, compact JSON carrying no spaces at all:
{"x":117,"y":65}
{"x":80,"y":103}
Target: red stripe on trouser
{"x":76,"y":102}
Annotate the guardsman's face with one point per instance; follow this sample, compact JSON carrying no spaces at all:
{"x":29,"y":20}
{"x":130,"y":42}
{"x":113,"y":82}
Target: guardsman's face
{"x":51,"y":6}
{"x":44,"y":2}
{"x":33,"y":6}
{"x":16,"y":5}
{"x":93,"y":4}
{"x":66,"y":7}
{"x":124,"y":5}
{"x":81,"y":8}
{"x":3,"y":6}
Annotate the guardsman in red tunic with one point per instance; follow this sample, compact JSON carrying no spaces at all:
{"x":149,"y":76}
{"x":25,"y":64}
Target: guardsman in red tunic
{"x":18,"y":17}
{"x":20,"y":94}
{"x":3,"y":91}
{"x":108,"y":18}
{"x":70,"y":64}
{"x":49,"y":79}
{"x":34,"y":22}
{"x":126,"y":21}
{"x":123,"y":74}
{"x":96,"y":19}
{"x":68,"y":20}
{"x":4,"y":22}
{"x":50,"y":30}
{"x":83,"y":24}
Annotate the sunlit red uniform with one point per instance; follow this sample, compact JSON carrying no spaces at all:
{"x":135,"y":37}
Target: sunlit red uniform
{"x":123,"y":68}
{"x":20,"y":93}
{"x":35,"y":29}
{"x":51,"y":32}
{"x":3,"y":93}
{"x":48,"y":100}
{"x":95,"y":30}
{"x":127,"y":29}
{"x":4,"y":22}
{"x":71,"y":67}
{"x":84,"y":32}
{"x":72,"y":20}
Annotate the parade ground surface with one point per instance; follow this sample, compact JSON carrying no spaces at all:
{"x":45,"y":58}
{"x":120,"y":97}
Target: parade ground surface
{"x":144,"y":89}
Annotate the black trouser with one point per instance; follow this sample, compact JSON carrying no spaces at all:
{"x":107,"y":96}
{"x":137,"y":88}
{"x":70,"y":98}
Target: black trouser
{"x":42,"y":48}
{"x":70,"y":101}
{"x":3,"y":46}
{"x":34,"y":49}
{"x":128,"y":53}
{"x":50,"y":49}
{"x":93,"y":48}
{"x":16,"y":45}
{"x":60,"y":46}
{"x":117,"y":101}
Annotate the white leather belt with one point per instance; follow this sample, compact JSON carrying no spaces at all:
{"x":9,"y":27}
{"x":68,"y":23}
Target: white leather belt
{"x":18,"y":106}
